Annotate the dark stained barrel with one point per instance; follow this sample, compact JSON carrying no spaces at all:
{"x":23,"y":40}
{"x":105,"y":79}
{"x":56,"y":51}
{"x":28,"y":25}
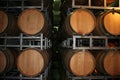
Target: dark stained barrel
{"x":8,"y":24}
{"x":7,"y":60}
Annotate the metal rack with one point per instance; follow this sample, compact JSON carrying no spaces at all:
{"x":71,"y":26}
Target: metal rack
{"x":91,"y":77}
{"x":90,"y":42}
{"x":22,"y":41}
{"x":94,"y":7}
{"x":22,"y":7}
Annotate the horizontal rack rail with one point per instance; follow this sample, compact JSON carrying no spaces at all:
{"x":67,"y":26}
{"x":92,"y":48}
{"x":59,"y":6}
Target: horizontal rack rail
{"x":25,"y":41}
{"x":92,"y":42}
{"x":94,"y":7}
{"x":22,"y":6}
{"x":91,"y":77}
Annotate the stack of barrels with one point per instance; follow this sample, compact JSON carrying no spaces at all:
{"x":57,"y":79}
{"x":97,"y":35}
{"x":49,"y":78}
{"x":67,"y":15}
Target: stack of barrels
{"x":84,"y":22}
{"x":29,"y":61}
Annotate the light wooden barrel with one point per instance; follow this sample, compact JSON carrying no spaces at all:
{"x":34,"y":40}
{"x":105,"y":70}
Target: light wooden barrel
{"x":80,"y":21}
{"x":7,"y":60}
{"x":80,"y":63}
{"x":8,"y":24}
{"x":32,"y":62}
{"x":32,"y":22}
{"x":108,"y":62}
{"x":108,"y":24}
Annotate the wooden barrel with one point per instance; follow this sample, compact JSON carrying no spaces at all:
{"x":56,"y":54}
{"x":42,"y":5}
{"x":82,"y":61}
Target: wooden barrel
{"x":8,"y":24}
{"x":108,"y":24}
{"x":7,"y":60}
{"x":80,"y":63}
{"x":32,"y":62}
{"x":108,"y":62}
{"x":80,"y":21}
{"x":32,"y":22}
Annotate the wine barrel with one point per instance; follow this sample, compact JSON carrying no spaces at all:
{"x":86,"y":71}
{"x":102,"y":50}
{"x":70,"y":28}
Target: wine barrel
{"x":7,"y":60}
{"x":8,"y":24}
{"x":32,"y":62}
{"x":108,"y":62}
{"x":108,"y":24}
{"x":32,"y":22}
{"x":80,"y":63}
{"x":80,"y":21}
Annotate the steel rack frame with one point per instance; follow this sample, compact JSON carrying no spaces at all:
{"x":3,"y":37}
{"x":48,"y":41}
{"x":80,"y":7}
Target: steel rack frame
{"x":22,"y":7}
{"x":89,"y":42}
{"x":94,"y":7}
{"x":90,"y":77}
{"x":22,"y":41}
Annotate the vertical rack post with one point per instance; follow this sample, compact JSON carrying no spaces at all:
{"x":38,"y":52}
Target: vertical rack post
{"x":119,"y":3}
{"x":41,"y":42}
{"x":89,"y":2}
{"x":42,"y":5}
{"x":105,"y":3}
{"x":22,"y":5}
{"x":73,"y":2}
{"x":74,"y":42}
{"x":21,"y":41}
